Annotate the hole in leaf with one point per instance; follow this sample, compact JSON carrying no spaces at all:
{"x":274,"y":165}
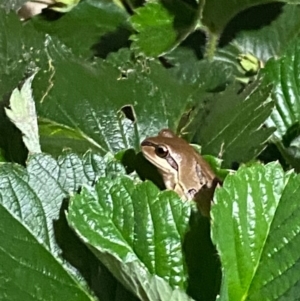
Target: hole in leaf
{"x":129,"y":112}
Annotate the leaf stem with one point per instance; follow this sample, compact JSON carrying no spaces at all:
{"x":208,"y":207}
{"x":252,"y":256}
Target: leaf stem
{"x":211,"y":45}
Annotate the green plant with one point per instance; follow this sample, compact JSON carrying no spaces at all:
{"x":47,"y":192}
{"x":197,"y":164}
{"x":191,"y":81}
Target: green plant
{"x":77,"y":222}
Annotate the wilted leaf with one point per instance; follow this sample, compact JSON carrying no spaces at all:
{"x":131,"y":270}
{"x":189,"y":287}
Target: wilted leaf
{"x":23,"y":115}
{"x":137,"y":232}
{"x":33,"y":8}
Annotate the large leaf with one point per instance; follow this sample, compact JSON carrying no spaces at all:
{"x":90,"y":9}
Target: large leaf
{"x":20,"y":50}
{"x":23,"y":51}
{"x":92,"y":26}
{"x":256,"y":231}
{"x":272,"y":40}
{"x":28,"y":271}
{"x":137,"y":232}
{"x":201,"y":74}
{"x":216,"y":15}
{"x":30,"y":201}
{"x":118,"y":102}
{"x":231,"y":125}
{"x":264,"y":42}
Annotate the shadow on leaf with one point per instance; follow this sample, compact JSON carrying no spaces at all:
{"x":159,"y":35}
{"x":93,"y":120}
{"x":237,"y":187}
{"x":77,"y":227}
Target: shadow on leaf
{"x":202,"y":261}
{"x":100,"y":280}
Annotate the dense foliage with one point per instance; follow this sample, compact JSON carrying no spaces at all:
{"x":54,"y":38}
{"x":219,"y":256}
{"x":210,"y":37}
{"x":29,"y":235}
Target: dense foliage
{"x":82,"y":85}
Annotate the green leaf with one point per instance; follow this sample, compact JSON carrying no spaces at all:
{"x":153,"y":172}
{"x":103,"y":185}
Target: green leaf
{"x":18,"y":51}
{"x":203,"y":75}
{"x":23,"y":115}
{"x":254,"y":226}
{"x":269,"y":41}
{"x":2,"y":156}
{"x":286,"y":116}
{"x":274,"y":39}
{"x":161,"y":26}
{"x":25,"y":261}
{"x":155,"y":26}
{"x":118,"y":103}
{"x":91,"y":27}
{"x":136,"y":231}
{"x":282,"y":74}
{"x":29,"y":203}
{"x":226,"y":126}
{"x":215,"y":164}
{"x":216,"y":16}
{"x":23,"y":51}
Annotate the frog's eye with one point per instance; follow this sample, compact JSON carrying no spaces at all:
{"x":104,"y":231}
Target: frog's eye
{"x":161,"y":151}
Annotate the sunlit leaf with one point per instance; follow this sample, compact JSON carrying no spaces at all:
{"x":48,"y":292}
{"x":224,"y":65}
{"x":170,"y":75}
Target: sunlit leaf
{"x":256,"y":233}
